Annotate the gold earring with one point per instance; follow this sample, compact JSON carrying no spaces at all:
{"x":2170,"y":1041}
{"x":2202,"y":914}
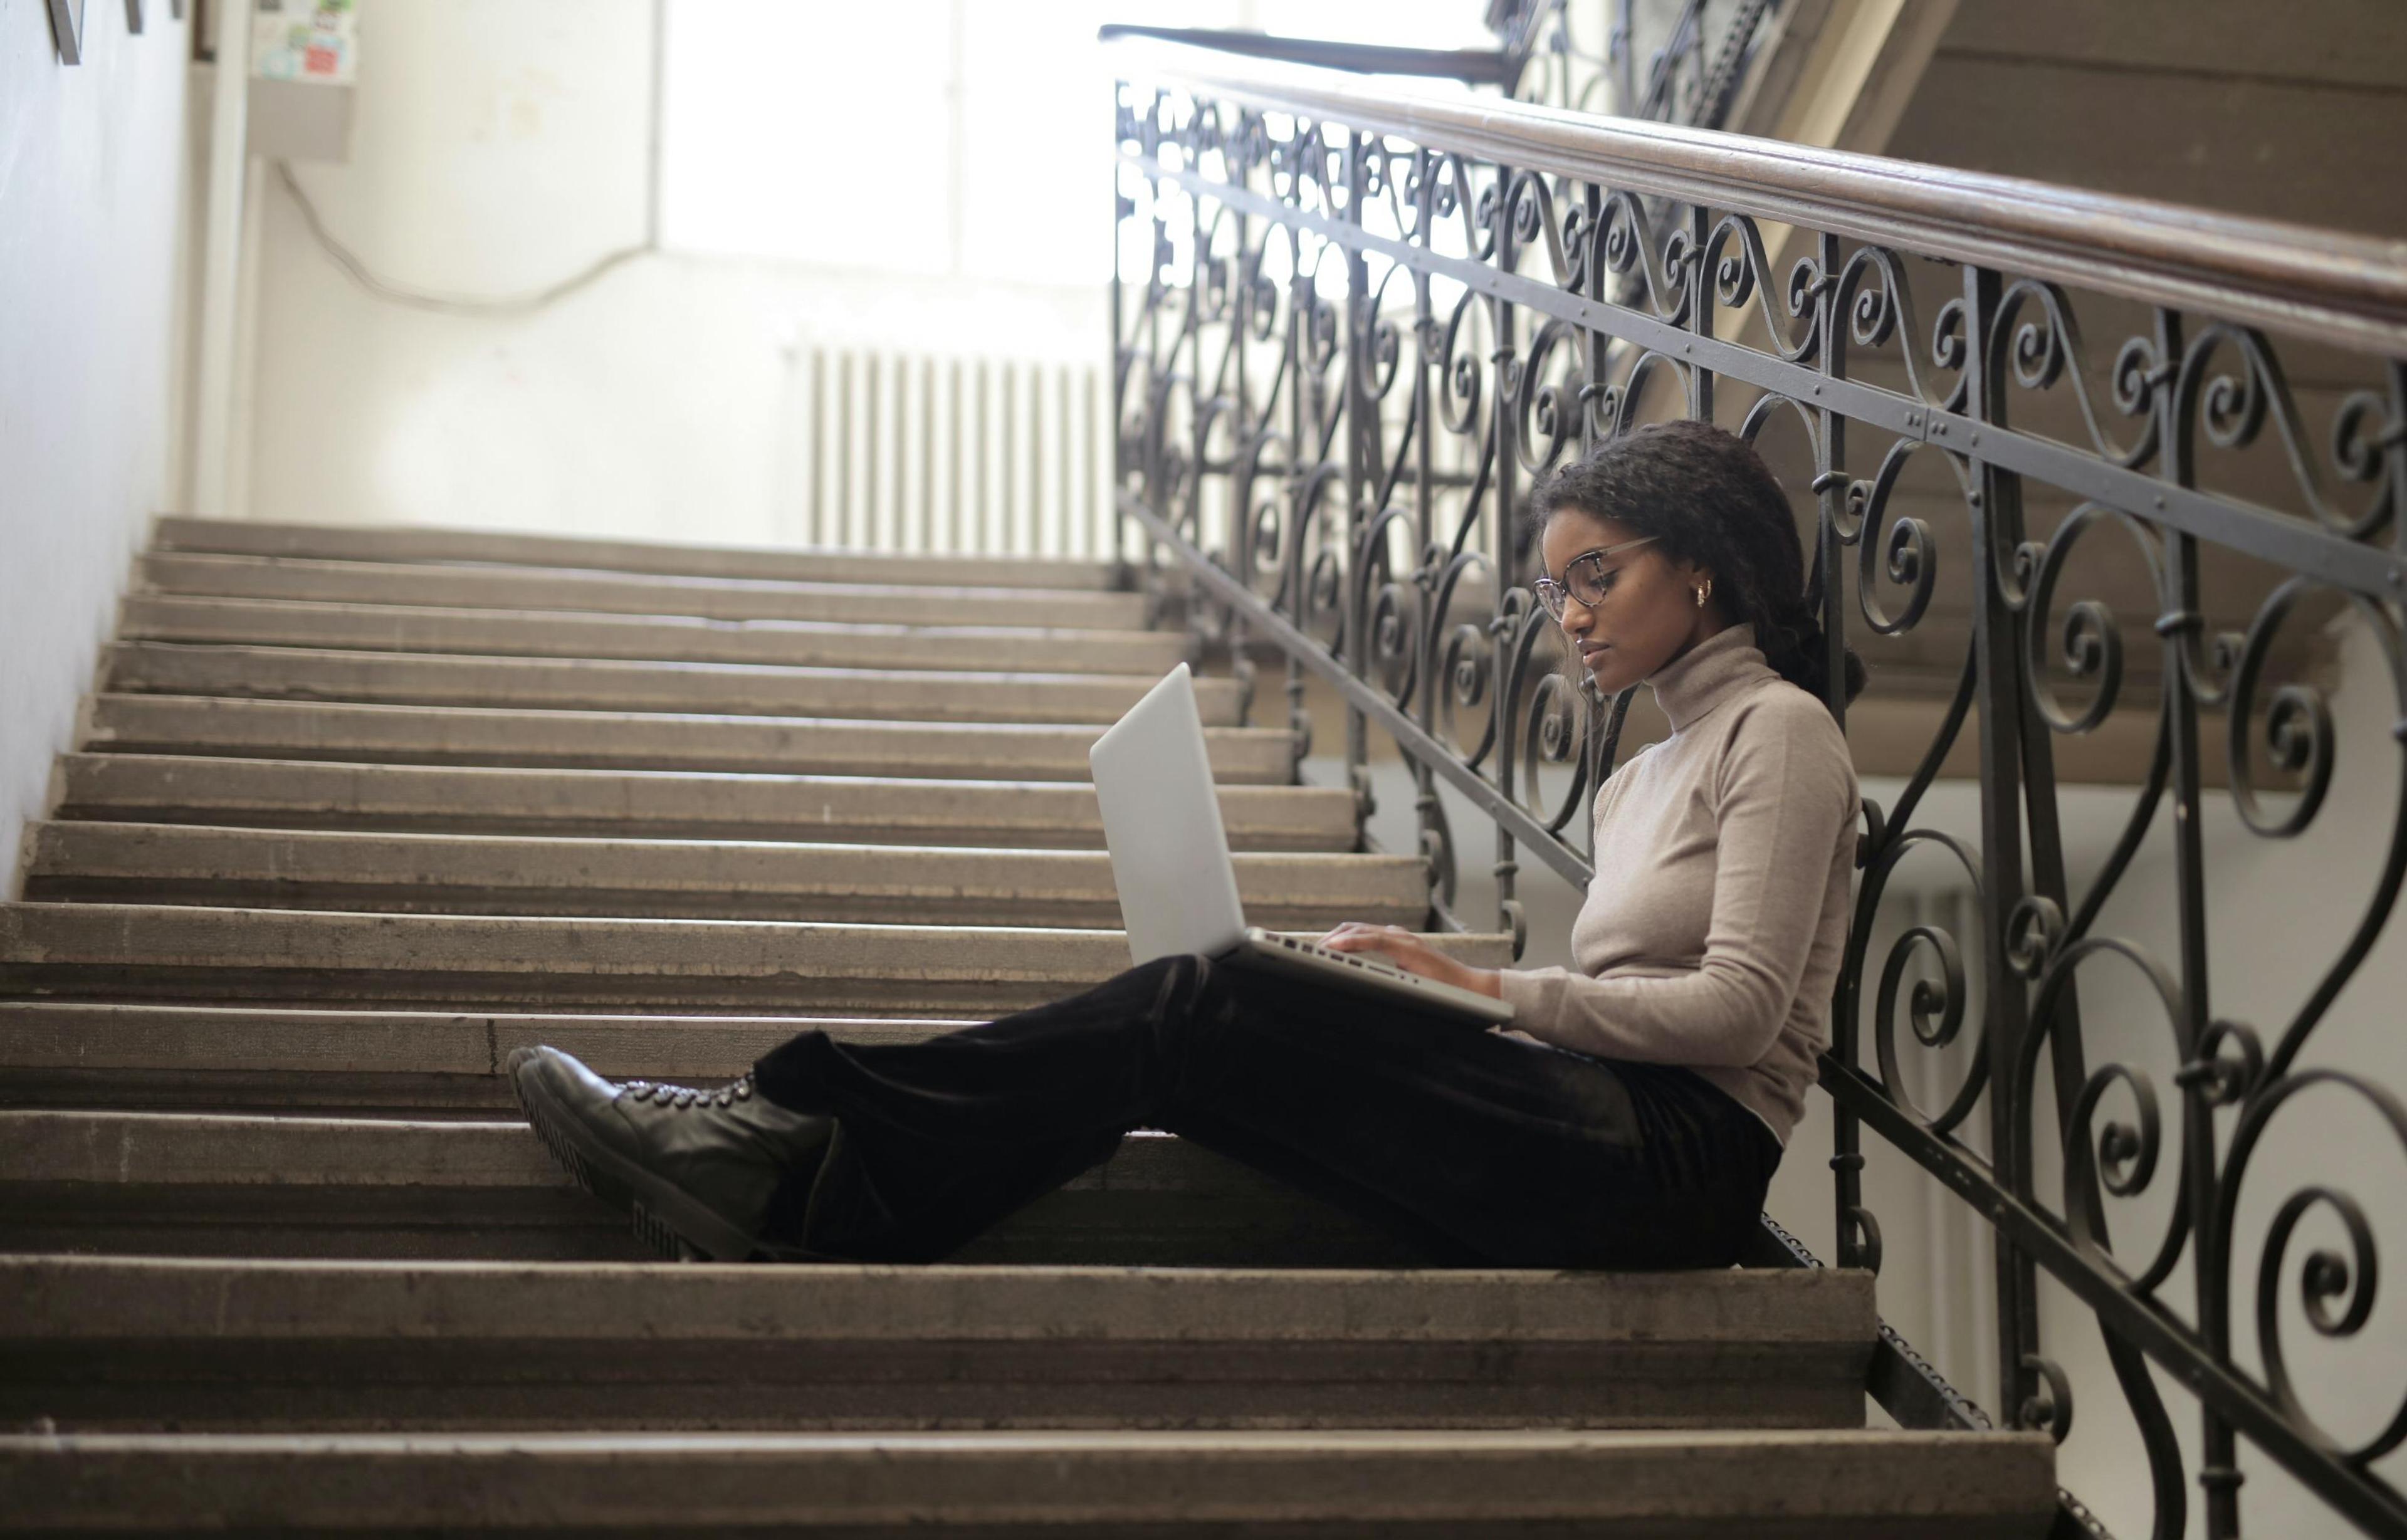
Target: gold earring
{"x":1704,"y":592}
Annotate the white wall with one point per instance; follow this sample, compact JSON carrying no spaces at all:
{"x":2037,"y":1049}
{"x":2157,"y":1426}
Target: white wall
{"x":96,"y":189}
{"x":498,"y":149}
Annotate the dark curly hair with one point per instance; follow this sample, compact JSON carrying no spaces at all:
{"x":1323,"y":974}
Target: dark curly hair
{"x":1707,"y":497}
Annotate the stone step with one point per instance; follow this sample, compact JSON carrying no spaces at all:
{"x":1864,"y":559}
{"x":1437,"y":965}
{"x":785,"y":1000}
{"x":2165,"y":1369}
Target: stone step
{"x":618,"y":593}
{"x":516,"y":874}
{"x":206,"y":1344}
{"x":219,"y":1185}
{"x":667,"y":638}
{"x":420,"y":543}
{"x":402,"y":678}
{"x":137,"y":951}
{"x":654,"y":803}
{"x":1469,"y":1485}
{"x":483,"y":736}
{"x":227,"y":1059}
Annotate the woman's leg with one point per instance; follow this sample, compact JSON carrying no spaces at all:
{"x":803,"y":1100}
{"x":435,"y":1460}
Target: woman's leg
{"x":1520,"y":1154}
{"x":894,"y":1152}
{"x":1480,"y":1148}
{"x":938,"y":1139}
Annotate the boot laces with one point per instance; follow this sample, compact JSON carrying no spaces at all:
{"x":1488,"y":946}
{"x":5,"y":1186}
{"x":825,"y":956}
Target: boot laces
{"x":679,"y":1098}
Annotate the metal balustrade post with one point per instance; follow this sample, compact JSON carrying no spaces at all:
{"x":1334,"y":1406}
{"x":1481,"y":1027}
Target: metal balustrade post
{"x":1505,"y":366}
{"x":1699,"y":284}
{"x":1123,"y":212}
{"x":1998,"y":682}
{"x":1362,"y":463}
{"x":2183,"y":649}
{"x":1242,"y":434}
{"x":1854,"y":1226}
{"x":1190,"y":344}
{"x":1303,"y":415}
{"x":2050,"y":883}
{"x":1436,"y":838}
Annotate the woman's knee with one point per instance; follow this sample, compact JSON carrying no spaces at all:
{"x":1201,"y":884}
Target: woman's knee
{"x":1172,"y":990}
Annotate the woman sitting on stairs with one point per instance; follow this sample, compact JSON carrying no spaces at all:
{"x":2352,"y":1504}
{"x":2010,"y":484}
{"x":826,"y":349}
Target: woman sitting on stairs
{"x":1631,"y":1119}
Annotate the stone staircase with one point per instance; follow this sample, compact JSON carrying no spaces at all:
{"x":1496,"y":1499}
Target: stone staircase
{"x":355,"y":812}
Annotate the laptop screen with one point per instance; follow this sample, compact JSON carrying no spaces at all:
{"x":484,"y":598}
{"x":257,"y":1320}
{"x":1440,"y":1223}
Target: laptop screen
{"x":1162,"y":820}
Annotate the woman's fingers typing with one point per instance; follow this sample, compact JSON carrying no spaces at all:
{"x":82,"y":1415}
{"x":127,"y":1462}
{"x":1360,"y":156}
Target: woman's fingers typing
{"x":1360,"y":936}
{"x":1407,"y":950}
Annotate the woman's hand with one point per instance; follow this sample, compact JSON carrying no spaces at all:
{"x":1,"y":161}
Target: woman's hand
{"x":1409,"y":952}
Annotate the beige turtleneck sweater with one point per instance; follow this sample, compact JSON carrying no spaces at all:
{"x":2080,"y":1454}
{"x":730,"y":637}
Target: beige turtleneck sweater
{"x":1713,"y":929}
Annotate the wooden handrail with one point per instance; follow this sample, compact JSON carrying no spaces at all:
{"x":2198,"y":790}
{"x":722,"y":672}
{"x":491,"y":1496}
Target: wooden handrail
{"x":2325,"y":285}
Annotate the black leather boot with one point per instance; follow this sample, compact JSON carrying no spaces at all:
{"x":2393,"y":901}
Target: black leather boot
{"x":696,"y":1169}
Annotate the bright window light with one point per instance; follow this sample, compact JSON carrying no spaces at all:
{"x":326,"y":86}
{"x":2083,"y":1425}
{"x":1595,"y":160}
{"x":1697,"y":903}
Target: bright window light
{"x":961,"y":138}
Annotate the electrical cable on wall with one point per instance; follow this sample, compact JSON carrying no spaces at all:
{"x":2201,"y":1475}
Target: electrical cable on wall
{"x":420,"y":299}
{"x":356,"y":267}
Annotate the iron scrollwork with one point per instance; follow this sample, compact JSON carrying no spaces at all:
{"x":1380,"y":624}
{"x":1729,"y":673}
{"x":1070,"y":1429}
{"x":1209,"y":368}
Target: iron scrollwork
{"x":1344,"y":362}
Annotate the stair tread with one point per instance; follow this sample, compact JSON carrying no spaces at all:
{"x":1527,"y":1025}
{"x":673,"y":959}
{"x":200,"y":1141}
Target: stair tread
{"x":441,"y":543}
{"x":639,"y":685}
{"x":245,"y":1344}
{"x":222,"y":1184}
{"x":122,"y":934}
{"x":64,"y":1297}
{"x":190,"y":1149}
{"x":2000,"y":1484}
{"x":667,"y":740}
{"x":631,"y":804}
{"x":125,"y":951}
{"x":488,"y":873}
{"x":726,"y":598}
{"x":682,"y":638}
{"x":315,"y":1044}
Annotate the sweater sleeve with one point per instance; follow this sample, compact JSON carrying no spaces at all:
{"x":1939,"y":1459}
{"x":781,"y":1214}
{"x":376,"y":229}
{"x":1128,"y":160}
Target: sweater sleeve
{"x":1784,"y":793}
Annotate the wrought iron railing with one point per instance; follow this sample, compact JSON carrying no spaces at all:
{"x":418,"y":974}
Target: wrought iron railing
{"x":1368,"y":318}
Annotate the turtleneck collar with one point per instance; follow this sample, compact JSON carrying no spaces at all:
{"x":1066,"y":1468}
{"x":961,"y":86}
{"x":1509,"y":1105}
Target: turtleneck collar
{"x":1726,"y":663}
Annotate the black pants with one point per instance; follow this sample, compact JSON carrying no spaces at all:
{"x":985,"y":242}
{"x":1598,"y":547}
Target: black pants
{"x":1480,"y":1150}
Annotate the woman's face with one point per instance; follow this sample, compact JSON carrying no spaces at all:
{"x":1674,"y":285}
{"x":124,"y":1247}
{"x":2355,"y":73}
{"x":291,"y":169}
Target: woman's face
{"x":1649,"y":613}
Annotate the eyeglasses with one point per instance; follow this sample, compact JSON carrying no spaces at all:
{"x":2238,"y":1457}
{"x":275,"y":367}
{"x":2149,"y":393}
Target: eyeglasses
{"x":1586,"y":577}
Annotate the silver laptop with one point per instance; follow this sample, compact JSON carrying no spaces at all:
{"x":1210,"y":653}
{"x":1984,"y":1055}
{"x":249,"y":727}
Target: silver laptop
{"x":1170,"y":858}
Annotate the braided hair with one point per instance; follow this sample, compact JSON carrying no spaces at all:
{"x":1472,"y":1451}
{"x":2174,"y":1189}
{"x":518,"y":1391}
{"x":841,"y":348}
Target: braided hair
{"x":1707,"y":497}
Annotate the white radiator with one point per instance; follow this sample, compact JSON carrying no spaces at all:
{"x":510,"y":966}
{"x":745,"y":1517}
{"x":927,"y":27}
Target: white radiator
{"x":918,"y":452}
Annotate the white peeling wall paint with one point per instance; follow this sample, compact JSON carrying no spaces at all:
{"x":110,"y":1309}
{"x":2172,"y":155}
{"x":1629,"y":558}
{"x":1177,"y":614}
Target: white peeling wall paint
{"x":93,"y":184}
